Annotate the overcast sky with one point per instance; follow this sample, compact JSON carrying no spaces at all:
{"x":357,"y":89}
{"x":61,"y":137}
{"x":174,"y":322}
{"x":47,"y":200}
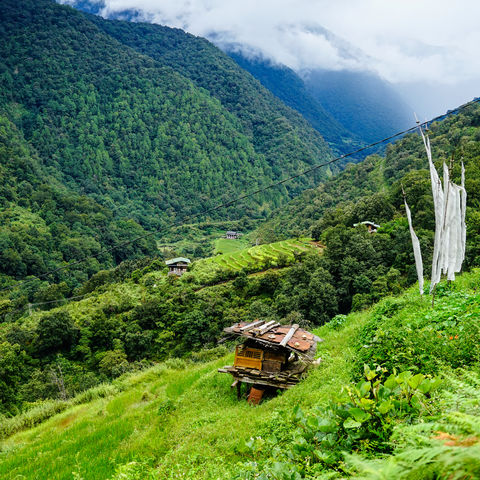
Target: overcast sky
{"x":425,"y":47}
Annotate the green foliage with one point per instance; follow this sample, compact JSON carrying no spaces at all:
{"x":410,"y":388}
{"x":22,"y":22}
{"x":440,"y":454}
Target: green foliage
{"x":447,"y":447}
{"x":180,"y":418}
{"x":371,"y":190}
{"x":148,"y":121}
{"x":56,"y":332}
{"x":13,"y":371}
{"x":397,"y":336}
{"x":361,"y":421}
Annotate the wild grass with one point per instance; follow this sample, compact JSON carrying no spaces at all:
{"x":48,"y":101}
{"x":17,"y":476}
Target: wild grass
{"x":225,"y":245}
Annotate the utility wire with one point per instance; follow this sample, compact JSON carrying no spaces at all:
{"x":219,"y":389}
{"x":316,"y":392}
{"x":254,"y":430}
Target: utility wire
{"x":30,"y":305}
{"x":247,"y":195}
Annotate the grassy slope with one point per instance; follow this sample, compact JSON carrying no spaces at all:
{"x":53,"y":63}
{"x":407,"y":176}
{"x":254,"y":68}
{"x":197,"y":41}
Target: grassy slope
{"x":184,"y":419}
{"x":225,"y":245}
{"x":201,"y":437}
{"x":238,"y":258}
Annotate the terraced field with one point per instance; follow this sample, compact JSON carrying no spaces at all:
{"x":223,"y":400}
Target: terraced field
{"x":260,"y":254}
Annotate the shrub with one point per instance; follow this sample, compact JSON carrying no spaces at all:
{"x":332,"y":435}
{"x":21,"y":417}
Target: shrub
{"x":424,"y":340}
{"x":362,"y":420}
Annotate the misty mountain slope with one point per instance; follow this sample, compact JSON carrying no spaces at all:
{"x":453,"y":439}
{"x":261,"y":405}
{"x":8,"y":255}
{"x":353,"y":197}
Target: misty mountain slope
{"x":346,"y":108}
{"x":290,"y":88}
{"x":360,"y":101}
{"x":135,"y":134}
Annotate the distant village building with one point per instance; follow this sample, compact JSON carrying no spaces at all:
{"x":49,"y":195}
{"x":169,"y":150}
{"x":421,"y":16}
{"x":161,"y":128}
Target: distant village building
{"x":272,"y":355}
{"x":372,"y":227}
{"x":231,"y":235}
{"x":177,"y":266}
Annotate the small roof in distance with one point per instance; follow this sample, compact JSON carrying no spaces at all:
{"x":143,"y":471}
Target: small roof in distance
{"x":366,"y":222}
{"x":177,"y":260}
{"x":232,"y":232}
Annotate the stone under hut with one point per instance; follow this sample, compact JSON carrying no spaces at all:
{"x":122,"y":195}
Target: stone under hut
{"x":272,"y":355}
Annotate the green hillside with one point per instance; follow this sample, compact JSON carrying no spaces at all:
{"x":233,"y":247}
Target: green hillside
{"x":44,"y":224}
{"x":180,"y":419}
{"x":103,"y":140}
{"x":250,"y":257}
{"x":379,"y":178}
{"x":264,"y":118}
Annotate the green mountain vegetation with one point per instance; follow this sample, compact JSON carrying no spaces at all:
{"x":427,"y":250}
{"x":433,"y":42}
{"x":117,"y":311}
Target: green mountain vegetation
{"x":108,"y":369}
{"x":273,"y":253}
{"x":361,"y":102}
{"x":44,"y":224}
{"x":371,"y":190}
{"x":413,"y":415}
{"x":291,"y":89}
{"x":103,"y":142}
{"x":134,"y":314}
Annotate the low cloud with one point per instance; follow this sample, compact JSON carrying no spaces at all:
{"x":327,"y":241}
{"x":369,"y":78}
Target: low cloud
{"x":430,"y":41}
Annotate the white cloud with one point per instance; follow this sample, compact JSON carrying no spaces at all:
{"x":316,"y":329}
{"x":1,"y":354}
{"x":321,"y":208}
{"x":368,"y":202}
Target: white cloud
{"x":408,"y":40}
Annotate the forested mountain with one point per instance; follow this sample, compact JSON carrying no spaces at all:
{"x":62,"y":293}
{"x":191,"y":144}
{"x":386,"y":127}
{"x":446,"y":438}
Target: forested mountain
{"x":135,"y":313}
{"x":43,"y":224}
{"x":361,"y":102}
{"x":291,"y":89}
{"x":405,"y":161}
{"x":264,"y":119}
{"x":149,"y":134}
{"x":347,"y":108}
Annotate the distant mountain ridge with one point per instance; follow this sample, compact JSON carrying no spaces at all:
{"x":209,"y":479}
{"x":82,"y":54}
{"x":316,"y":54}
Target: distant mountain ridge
{"x":291,"y":89}
{"x":361,"y":102}
{"x":348,"y":108}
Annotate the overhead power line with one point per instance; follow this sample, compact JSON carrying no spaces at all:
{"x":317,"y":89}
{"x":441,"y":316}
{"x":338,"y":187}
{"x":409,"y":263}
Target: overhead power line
{"x":245,"y":196}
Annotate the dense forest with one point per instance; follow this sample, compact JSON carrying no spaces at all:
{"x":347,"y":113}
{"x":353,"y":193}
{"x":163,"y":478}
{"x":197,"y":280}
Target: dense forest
{"x":111,"y":133}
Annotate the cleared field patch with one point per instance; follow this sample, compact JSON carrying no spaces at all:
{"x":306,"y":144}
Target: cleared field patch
{"x":226,"y":246}
{"x":260,"y":254}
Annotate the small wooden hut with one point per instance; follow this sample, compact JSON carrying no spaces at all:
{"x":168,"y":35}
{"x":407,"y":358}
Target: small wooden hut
{"x":272,"y":355}
{"x":231,"y":235}
{"x":372,"y":227}
{"x":177,"y":266}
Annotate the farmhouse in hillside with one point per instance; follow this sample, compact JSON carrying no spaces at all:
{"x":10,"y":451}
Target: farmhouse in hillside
{"x":372,"y":227}
{"x":177,"y":266}
{"x":231,"y":235}
{"x":272,"y":355}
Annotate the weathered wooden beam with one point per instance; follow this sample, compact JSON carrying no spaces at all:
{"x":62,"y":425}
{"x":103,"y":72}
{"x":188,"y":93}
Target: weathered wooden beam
{"x":265,"y":328}
{"x":251,"y":325}
{"x":289,"y":335}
